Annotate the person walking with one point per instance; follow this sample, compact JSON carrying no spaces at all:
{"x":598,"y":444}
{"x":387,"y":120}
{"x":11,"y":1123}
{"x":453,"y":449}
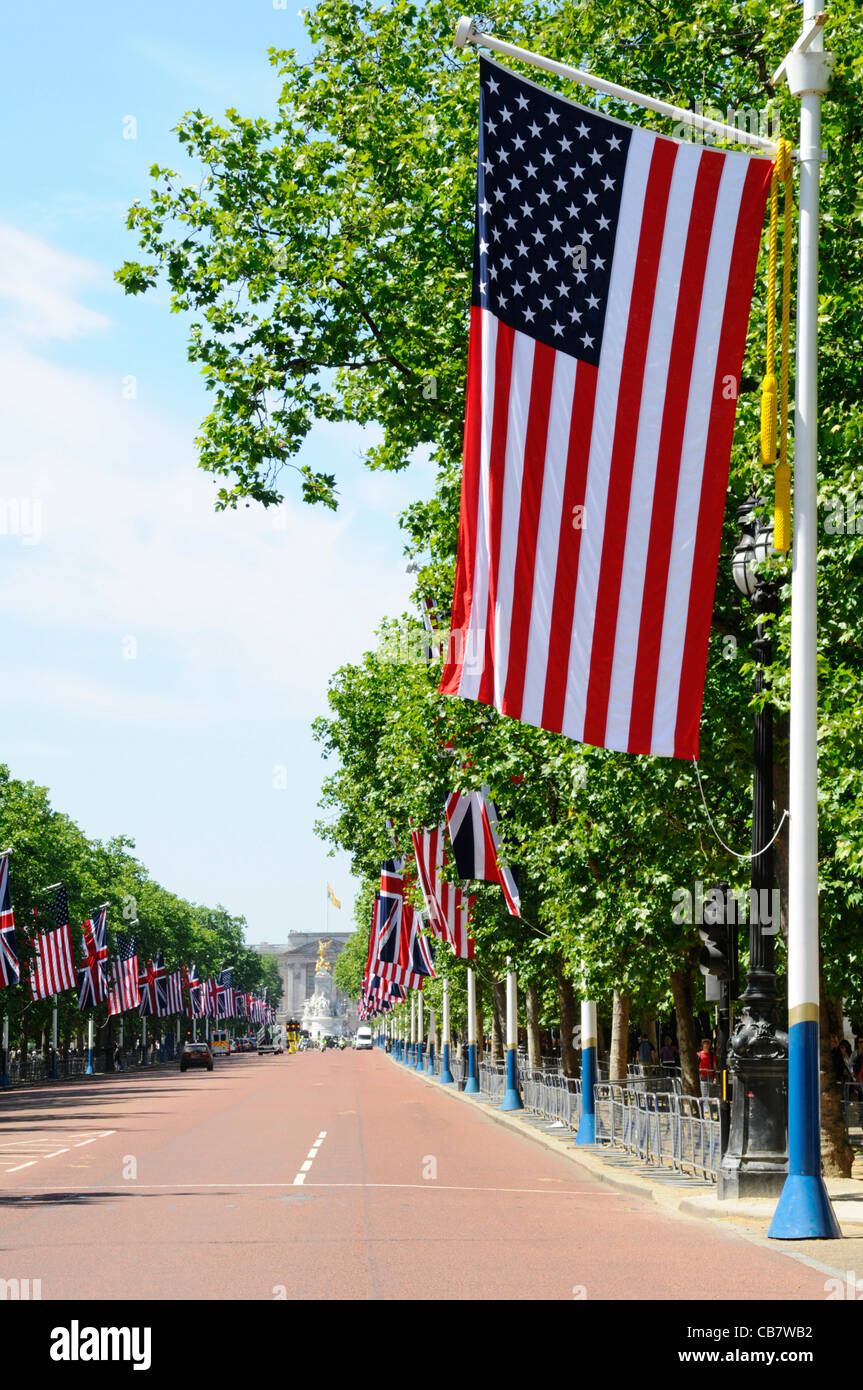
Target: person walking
{"x":706,"y":1066}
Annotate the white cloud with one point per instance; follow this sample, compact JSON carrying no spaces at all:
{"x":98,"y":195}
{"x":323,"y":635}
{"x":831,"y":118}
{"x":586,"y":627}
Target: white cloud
{"x":38,"y":285}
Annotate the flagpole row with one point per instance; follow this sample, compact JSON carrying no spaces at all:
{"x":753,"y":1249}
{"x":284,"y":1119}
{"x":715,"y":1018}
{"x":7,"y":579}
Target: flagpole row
{"x":511,"y":1099}
{"x":467,"y":32}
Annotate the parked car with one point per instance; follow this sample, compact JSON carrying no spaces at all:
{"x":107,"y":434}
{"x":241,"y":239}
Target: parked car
{"x":196,"y":1054}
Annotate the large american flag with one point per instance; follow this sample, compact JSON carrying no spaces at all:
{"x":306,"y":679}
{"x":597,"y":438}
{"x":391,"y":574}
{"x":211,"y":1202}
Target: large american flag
{"x":225,"y":994}
{"x":53,"y":966}
{"x":472,"y":821}
{"x":10,"y":972}
{"x":447,"y":905}
{"x":613,"y":273}
{"x":92,"y":986}
{"x":124,"y":992}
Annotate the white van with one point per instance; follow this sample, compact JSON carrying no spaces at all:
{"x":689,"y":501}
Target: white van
{"x":363,"y":1038}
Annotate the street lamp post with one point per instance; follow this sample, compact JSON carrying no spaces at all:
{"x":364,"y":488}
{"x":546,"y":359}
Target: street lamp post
{"x":755,"y":1163}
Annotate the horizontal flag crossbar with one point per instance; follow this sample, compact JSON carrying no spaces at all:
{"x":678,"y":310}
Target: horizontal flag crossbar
{"x":467,"y":32}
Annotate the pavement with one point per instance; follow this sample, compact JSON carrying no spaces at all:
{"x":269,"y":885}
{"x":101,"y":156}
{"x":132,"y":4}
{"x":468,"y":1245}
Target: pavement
{"x":342,"y":1176}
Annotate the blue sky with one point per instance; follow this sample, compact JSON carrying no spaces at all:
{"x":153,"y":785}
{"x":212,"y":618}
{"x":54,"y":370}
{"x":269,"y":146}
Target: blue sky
{"x":162,"y":663}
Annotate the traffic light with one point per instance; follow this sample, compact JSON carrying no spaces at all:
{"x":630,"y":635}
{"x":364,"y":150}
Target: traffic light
{"x":718,"y":960}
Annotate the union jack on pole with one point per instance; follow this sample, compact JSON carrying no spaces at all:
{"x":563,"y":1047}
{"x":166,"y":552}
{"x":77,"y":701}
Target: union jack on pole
{"x":472,"y":821}
{"x":10,"y":970}
{"x":447,"y":905}
{"x":92,"y":985}
{"x":153,"y":989}
{"x":53,"y":967}
{"x":196,"y":993}
{"x":124,"y":993}
{"x":613,"y":274}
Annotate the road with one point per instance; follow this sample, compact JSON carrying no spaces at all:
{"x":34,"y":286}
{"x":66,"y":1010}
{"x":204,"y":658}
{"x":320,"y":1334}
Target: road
{"x":331,"y":1176}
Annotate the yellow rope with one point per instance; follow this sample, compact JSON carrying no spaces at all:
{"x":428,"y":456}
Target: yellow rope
{"x":774,"y":398}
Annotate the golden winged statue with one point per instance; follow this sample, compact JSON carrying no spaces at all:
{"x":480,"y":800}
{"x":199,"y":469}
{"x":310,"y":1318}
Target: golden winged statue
{"x":322,"y":956}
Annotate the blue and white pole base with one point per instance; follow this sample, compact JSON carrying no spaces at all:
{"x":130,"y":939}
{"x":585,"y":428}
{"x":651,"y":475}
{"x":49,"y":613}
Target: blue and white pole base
{"x":419,"y":1062}
{"x":446,"y":1075}
{"x":89,"y":1071}
{"x":4,"y":1079}
{"x":511,"y":1098}
{"x":430,"y":1057}
{"x":471,"y":1081}
{"x":803,"y":1211}
{"x":587,"y":1124}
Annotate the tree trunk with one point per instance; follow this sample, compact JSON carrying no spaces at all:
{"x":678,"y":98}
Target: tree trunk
{"x":566,"y":1006}
{"x":837,"y":1156}
{"x":619,"y":1035}
{"x":687,"y":1042}
{"x":531,"y":1008}
{"x":498,"y":1020}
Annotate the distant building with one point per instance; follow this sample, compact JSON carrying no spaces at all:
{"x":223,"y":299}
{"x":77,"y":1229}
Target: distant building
{"x":297,"y":961}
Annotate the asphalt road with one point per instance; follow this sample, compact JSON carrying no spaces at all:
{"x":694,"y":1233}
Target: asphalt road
{"x":331,"y":1176}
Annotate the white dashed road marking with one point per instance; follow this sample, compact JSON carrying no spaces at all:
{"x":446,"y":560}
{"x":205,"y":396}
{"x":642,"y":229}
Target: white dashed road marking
{"x":312,"y":1154}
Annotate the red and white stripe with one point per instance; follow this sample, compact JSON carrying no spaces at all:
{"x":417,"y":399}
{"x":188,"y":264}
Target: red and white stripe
{"x":600,"y":631}
{"x":53,"y":968}
{"x":124,"y":992}
{"x":448,"y":906}
{"x":174,"y":984}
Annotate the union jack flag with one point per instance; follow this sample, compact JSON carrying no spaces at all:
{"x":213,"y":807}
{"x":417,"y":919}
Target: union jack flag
{"x":10,"y":972}
{"x":92,"y":985}
{"x":208,"y":1003}
{"x":196,"y":991}
{"x":472,"y":821}
{"x":448,"y":907}
{"x":153,"y":989}
{"x":124,"y":993}
{"x":53,"y":967}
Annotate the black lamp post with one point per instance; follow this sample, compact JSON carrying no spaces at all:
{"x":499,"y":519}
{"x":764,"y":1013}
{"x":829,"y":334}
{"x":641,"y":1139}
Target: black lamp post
{"x":755,"y":1162}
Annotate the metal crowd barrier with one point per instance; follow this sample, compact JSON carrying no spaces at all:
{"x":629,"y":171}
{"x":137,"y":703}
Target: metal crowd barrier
{"x":661,"y":1127}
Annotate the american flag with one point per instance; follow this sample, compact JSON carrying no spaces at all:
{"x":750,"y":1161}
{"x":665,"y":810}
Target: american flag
{"x":613,"y":274}
{"x":447,"y":905}
{"x":153,"y":990}
{"x":472,"y":821}
{"x":124,"y":993}
{"x":53,"y":968}
{"x":225,"y":994}
{"x":10,"y":972}
{"x":92,"y":986}
{"x":174,"y":992}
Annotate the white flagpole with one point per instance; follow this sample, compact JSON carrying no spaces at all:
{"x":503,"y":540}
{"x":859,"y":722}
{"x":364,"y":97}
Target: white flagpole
{"x":804,"y":1210}
{"x":467,"y":32}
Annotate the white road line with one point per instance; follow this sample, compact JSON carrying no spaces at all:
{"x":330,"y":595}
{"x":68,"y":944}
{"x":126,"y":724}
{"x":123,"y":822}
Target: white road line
{"x":55,"y":1153}
{"x":19,"y":1148}
{"x":23,"y":1165}
{"x":310,"y":1157}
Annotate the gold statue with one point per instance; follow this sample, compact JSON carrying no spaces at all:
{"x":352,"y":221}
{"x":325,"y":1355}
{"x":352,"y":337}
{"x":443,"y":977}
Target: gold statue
{"x":322,"y":957}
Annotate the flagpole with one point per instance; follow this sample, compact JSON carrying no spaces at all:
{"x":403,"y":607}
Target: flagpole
{"x":4,"y":1079}
{"x":803,"y":1210}
{"x":467,"y":32}
{"x":471,"y":1082}
{"x":89,"y":1071}
{"x":54,"y":1072}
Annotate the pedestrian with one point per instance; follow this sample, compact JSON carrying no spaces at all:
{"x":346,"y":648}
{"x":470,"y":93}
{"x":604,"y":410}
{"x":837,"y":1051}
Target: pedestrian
{"x":646,"y":1053}
{"x":706,"y":1066}
{"x":669,"y":1056}
{"x":857,"y":1060}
